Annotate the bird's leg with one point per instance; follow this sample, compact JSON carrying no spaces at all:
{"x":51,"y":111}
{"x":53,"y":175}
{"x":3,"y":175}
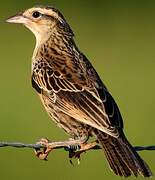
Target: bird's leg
{"x":48,"y":146}
{"x":75,"y":147}
{"x":81,"y":149}
{"x":43,"y":153}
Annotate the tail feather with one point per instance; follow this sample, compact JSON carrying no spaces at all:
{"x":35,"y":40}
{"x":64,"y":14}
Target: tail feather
{"x":116,"y":164}
{"x":122,"y":157}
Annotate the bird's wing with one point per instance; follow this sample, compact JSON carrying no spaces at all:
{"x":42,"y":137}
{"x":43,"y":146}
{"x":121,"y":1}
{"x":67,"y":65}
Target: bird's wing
{"x":84,"y":100}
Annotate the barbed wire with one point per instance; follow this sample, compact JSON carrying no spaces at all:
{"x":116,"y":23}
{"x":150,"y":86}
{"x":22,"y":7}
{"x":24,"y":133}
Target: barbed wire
{"x":20,"y":145}
{"x":44,"y":147}
{"x":55,"y":146}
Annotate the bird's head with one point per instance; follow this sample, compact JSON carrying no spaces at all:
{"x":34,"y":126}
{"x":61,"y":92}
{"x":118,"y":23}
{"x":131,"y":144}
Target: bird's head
{"x":42,"y":21}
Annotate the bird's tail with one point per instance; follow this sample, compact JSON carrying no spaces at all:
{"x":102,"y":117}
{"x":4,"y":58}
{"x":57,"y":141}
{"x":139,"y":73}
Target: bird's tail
{"x":122,"y":157}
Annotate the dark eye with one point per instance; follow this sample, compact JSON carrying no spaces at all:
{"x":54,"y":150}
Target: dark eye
{"x":36,"y":14}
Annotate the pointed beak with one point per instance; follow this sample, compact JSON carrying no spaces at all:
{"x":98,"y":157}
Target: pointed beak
{"x":19,"y":18}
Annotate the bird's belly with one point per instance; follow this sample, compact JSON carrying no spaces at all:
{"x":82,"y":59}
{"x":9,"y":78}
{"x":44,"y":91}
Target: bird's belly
{"x":70,"y":125}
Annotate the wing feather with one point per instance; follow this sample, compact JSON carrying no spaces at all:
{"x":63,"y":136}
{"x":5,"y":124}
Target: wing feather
{"x":82,"y":101}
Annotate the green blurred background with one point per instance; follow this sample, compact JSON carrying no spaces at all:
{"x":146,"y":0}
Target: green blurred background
{"x":119,"y":39}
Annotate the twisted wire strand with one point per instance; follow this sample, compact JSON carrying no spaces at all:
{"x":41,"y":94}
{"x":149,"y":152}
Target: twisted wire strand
{"x":20,"y":145}
{"x":54,"y":145}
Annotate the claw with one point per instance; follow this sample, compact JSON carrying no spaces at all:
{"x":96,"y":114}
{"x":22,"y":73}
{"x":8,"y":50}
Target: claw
{"x":43,"y":153}
{"x":78,"y":160}
{"x":76,"y":152}
{"x":75,"y":155}
{"x":71,"y":162}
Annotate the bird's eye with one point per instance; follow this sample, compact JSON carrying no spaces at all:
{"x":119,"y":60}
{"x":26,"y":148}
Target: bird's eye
{"x":36,"y":14}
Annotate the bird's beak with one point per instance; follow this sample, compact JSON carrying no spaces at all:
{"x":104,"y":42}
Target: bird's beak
{"x":19,"y":18}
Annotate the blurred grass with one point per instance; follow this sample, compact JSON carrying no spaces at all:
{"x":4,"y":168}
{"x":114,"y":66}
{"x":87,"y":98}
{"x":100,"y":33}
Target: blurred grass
{"x":119,"y":39}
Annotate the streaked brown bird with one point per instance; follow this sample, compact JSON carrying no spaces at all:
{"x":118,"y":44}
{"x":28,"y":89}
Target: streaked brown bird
{"x":72,"y":91}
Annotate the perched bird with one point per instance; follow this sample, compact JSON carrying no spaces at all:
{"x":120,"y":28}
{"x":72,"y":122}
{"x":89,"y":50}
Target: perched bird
{"x":72,"y":91}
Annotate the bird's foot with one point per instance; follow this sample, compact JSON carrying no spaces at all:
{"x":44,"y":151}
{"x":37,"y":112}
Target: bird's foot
{"x":76,"y":151}
{"x":74,"y":147}
{"x":42,"y":153}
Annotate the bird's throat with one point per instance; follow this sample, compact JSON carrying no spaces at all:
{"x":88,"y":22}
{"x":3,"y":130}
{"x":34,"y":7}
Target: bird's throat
{"x":55,"y":46}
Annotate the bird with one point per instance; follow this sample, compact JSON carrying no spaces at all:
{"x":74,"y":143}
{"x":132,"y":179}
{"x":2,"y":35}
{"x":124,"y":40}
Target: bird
{"x":72,"y":92}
